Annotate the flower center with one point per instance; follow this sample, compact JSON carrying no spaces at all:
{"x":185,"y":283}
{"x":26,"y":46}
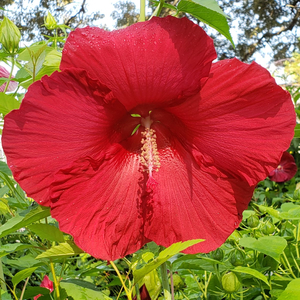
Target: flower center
{"x":149,"y":154}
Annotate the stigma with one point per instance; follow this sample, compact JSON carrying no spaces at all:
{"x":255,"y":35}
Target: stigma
{"x":149,"y":153}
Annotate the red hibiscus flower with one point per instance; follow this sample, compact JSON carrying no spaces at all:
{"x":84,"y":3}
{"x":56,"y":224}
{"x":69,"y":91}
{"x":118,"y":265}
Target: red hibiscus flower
{"x":140,"y":137}
{"x":46,"y":283}
{"x":11,"y":86}
{"x":286,"y":169}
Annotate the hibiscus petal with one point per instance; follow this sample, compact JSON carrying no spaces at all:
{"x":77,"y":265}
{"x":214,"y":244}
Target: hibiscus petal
{"x":241,"y":120}
{"x":286,"y":169}
{"x":192,"y":202}
{"x":148,"y":62}
{"x":11,"y":86}
{"x":108,"y":222}
{"x":63,"y":119}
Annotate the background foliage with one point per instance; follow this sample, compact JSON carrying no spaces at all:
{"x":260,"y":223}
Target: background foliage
{"x":245,"y":267}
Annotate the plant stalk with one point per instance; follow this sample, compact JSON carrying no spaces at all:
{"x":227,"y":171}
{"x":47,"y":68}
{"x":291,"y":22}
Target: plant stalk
{"x":142,"y":10}
{"x":165,"y":281}
{"x":128,"y":294}
{"x":10,"y":74}
{"x":56,"y":285}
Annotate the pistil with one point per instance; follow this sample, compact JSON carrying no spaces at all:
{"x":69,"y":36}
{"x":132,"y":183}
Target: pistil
{"x":149,"y":153}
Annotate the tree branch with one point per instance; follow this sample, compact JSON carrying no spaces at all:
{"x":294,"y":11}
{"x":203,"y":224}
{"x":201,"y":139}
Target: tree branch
{"x":68,"y":22}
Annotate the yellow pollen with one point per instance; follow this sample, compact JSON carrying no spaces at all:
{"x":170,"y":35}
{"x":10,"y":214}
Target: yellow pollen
{"x":149,"y":155}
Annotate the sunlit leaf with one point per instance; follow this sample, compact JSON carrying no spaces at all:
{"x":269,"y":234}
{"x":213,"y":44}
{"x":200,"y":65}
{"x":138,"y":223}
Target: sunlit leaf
{"x":269,"y":245}
{"x":209,"y":12}
{"x":80,"y":290}
{"x":22,"y":275}
{"x":18,"y":221}
{"x":163,"y":257}
{"x":8,"y":103}
{"x":62,"y":250}
{"x":292,"y":291}
{"x":47,"y":232}
{"x":252,"y":272}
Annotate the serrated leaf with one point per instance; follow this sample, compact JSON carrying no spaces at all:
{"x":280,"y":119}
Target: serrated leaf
{"x":263,"y":245}
{"x":163,"y":257}
{"x":8,"y":103}
{"x":47,"y":232}
{"x":53,"y":59}
{"x":18,"y":221}
{"x":252,"y":272}
{"x":22,"y":275}
{"x":292,"y":291}
{"x":62,"y":250}
{"x":209,"y":12}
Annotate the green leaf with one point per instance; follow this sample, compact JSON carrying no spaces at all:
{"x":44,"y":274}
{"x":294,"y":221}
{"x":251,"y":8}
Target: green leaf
{"x":53,"y":59}
{"x":209,"y":12}
{"x":290,"y":211}
{"x":252,"y":272}
{"x":9,"y":248}
{"x":271,"y":211}
{"x":291,"y":214}
{"x":263,"y":245}
{"x":8,"y":103}
{"x":62,"y":250}
{"x":4,"y":168}
{"x":297,"y":131}
{"x":47,"y":232}
{"x":80,"y":291}
{"x":22,"y":75}
{"x":18,"y":222}
{"x":163,"y":257}
{"x":247,"y":214}
{"x":11,"y":184}
{"x":292,"y":291}
{"x":22,"y":275}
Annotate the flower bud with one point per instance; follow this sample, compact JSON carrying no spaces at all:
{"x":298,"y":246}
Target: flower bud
{"x":50,"y":22}
{"x":237,"y":257}
{"x":253,"y":221}
{"x":218,"y":254}
{"x":230,"y":283}
{"x":268,"y":228}
{"x":9,"y":36}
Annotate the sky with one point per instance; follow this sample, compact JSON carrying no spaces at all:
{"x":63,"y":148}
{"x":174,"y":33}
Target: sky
{"x":105,"y":7}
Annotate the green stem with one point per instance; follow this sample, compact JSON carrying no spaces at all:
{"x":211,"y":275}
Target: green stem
{"x":297,"y":240}
{"x":122,"y":281}
{"x":158,"y":8}
{"x":142,"y":11}
{"x":165,"y":281}
{"x":289,"y":266}
{"x":172,"y":285}
{"x":56,"y":285}
{"x":10,"y":74}
{"x":2,"y":280}
{"x":137,"y":291}
{"x":24,"y":288}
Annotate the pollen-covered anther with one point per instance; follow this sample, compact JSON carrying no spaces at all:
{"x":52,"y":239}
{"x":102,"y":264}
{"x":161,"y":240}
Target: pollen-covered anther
{"x":149,"y":153}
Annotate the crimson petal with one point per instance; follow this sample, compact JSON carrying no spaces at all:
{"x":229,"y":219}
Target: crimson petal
{"x":105,"y":214}
{"x":286,"y":169}
{"x":192,"y":202}
{"x":64,"y":119}
{"x":241,"y":120}
{"x":148,"y":62}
